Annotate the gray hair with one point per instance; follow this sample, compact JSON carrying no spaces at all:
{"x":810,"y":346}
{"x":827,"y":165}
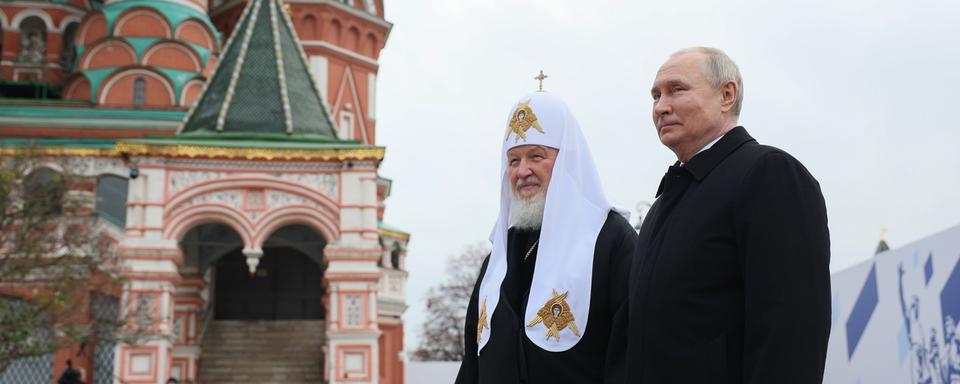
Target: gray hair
{"x":719,"y":69}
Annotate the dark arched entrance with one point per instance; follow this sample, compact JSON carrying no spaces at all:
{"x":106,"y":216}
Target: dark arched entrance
{"x":288,"y":283}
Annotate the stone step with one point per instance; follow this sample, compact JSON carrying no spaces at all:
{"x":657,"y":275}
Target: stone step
{"x":247,"y":361}
{"x":247,"y":369}
{"x":261,"y":379}
{"x":240,"y":352}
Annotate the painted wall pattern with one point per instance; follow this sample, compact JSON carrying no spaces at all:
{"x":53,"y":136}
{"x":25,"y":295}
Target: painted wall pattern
{"x":896,"y":318}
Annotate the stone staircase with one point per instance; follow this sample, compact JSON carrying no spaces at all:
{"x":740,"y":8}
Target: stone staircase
{"x":263,"y":352}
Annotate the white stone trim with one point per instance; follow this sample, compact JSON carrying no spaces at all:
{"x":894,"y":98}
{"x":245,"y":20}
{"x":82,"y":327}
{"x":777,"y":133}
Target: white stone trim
{"x":320,"y":69}
{"x":340,"y":50}
{"x":372,"y":96}
{"x":34,"y":71}
{"x":251,"y":11}
{"x":194,"y":55}
{"x":34,"y":4}
{"x":3,"y":21}
{"x":186,"y":86}
{"x":87,"y":56}
{"x":208,"y":35}
{"x":126,"y":16}
{"x":15,"y":23}
{"x":347,"y":79}
{"x":70,"y":19}
{"x":82,"y":33}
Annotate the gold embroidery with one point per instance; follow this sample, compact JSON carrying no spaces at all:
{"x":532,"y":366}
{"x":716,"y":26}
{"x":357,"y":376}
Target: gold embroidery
{"x":555,"y":315}
{"x":192,"y":151}
{"x":482,"y":321}
{"x":523,"y":118}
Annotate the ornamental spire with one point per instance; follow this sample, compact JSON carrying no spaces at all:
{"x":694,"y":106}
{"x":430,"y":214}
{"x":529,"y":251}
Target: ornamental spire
{"x":262,"y":84}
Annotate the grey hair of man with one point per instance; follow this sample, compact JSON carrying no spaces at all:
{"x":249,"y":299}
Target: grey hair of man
{"x":719,"y":69}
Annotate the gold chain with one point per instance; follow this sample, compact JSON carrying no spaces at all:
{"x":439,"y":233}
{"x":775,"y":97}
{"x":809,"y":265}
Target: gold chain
{"x":525,"y":257}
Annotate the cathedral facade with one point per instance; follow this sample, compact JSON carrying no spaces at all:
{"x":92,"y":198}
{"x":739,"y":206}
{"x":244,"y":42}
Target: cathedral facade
{"x":230,"y":151}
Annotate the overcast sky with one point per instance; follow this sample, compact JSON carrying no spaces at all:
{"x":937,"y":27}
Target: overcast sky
{"x":864,"y":93}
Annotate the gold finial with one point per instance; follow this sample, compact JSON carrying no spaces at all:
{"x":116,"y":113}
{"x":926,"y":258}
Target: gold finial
{"x":883,"y":234}
{"x":540,"y":77}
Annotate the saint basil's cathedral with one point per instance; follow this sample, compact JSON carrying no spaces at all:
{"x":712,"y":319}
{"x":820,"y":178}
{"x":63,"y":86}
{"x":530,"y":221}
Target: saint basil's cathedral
{"x":230,"y":148}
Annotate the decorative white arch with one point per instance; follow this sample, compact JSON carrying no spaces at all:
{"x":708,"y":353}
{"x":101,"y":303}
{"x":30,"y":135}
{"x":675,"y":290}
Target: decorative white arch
{"x":104,"y":43}
{"x":207,"y":35}
{"x":67,"y":21}
{"x":85,"y":28}
{"x":211,"y":186}
{"x":3,"y":21}
{"x":126,"y":16}
{"x":49,"y":164}
{"x":177,"y":226}
{"x":186,"y":87}
{"x":15,"y":23}
{"x":284,"y":216}
{"x":75,"y":82}
{"x":193,"y":54}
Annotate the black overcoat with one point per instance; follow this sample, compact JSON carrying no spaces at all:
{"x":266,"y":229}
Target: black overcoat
{"x":731,"y":282}
{"x":510,"y":357}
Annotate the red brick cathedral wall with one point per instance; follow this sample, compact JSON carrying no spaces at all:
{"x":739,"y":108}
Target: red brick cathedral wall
{"x":391,"y":345}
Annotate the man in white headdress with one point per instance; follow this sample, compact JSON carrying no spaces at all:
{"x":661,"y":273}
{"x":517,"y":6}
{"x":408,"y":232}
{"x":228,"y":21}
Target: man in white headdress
{"x":556,"y":279}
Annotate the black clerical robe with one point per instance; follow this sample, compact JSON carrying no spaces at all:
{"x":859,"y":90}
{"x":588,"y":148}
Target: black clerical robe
{"x":510,"y":357}
{"x":731,"y":283}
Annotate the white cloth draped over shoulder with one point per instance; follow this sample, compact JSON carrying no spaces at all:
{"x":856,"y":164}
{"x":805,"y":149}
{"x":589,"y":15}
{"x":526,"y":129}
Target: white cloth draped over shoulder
{"x":575,"y":211}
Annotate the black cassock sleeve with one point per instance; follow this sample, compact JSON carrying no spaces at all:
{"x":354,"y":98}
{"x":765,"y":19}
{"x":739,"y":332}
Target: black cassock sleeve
{"x":469,"y":373}
{"x":784,"y":245}
{"x":621,"y":262}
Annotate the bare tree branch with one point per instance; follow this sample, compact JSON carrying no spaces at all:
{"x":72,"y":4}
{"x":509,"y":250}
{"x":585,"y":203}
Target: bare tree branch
{"x":54,"y":255}
{"x":442,"y":332}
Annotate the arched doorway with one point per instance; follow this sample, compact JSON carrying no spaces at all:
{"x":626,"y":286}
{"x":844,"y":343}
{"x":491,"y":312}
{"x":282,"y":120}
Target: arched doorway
{"x":276,"y":313}
{"x":287,"y":285}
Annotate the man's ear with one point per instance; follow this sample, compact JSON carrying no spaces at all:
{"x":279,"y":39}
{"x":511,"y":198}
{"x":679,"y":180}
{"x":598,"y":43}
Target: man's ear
{"x":728,"y":95}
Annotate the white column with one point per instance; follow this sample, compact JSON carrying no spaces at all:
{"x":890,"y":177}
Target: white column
{"x":352,"y":276}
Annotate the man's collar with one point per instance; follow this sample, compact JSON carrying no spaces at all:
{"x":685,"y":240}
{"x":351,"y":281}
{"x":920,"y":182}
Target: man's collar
{"x":705,"y":147}
{"x":702,"y":163}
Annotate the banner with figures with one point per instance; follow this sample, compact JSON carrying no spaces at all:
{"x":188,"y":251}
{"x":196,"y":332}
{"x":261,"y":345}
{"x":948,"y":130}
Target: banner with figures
{"x":896,"y":317}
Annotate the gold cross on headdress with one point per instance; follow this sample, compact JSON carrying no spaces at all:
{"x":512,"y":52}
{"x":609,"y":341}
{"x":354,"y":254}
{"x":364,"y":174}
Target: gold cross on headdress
{"x":540,"y":77}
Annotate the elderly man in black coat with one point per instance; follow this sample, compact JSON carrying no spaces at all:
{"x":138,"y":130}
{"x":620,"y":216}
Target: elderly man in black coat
{"x":731,"y":281}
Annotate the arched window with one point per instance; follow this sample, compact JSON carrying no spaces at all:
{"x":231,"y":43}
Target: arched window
{"x":139,"y":91}
{"x":395,"y":256}
{"x":112,"y":199}
{"x":33,"y":41}
{"x":334,"y":35}
{"x":69,"y":55}
{"x":370,"y":46}
{"x":309,"y":28}
{"x":353,"y":39}
{"x":44,"y":192}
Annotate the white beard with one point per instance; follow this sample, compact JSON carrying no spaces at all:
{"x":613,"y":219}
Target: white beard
{"x":527,"y":214}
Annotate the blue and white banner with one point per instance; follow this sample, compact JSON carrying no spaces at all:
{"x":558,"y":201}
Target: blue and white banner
{"x":896,"y":317}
